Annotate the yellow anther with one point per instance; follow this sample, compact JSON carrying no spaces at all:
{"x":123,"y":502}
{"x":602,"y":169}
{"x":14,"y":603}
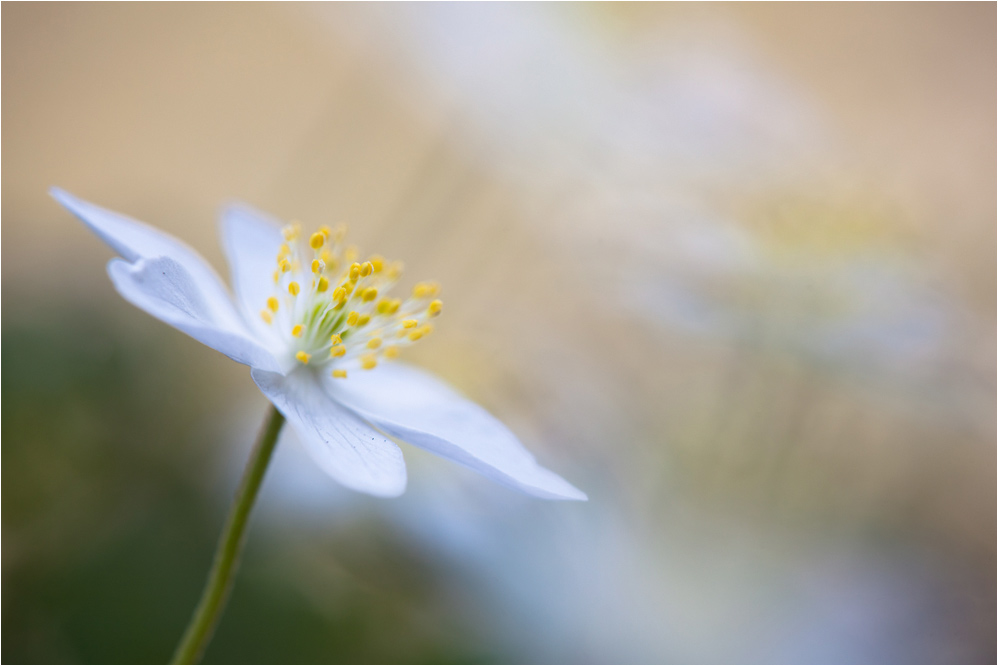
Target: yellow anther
{"x":325,"y":231}
{"x":435,"y":307}
{"x":354,"y":271}
{"x":410,"y":323}
{"x":416,"y":335}
{"x":370,"y":294}
{"x":377,"y":263}
{"x":335,"y":339}
{"x":352,"y":318}
{"x":293,"y":288}
{"x":277,"y":276}
{"x":337,"y":350}
{"x":340,"y":374}
{"x":291,"y":231}
{"x":317,"y":266}
{"x":363,"y":319}
{"x":303,"y":357}
{"x":366,"y":269}
{"x":374,"y":343}
{"x":425,"y":289}
{"x":323,"y":284}
{"x":387,"y":306}
{"x":283,"y":251}
{"x":339,"y":294}
{"x":347,"y":287}
{"x":284,"y":265}
{"x":316,"y":240}
{"x":368,"y":361}
{"x":327,"y":256}
{"x":266,"y":315}
{"x":273,"y":303}
{"x":296,"y":331}
{"x":426,"y":328}
{"x":391,"y":352}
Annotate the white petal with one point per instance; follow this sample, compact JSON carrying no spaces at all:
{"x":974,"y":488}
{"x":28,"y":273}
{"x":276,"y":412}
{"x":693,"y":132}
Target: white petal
{"x":251,"y":241}
{"x":164,"y":289}
{"x":420,"y":409}
{"x":134,"y":240}
{"x":345,"y":447}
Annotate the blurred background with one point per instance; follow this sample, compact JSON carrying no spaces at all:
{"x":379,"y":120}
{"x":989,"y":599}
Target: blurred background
{"x":730,"y":269}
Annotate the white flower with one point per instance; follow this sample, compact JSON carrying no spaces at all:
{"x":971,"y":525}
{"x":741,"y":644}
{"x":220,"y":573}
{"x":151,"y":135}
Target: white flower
{"x":313,"y":325}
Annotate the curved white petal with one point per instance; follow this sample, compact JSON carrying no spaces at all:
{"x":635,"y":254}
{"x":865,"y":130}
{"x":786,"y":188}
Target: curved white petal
{"x":345,"y":447}
{"x":420,"y":409}
{"x":251,"y":240}
{"x":167,"y":291}
{"x":134,"y":240}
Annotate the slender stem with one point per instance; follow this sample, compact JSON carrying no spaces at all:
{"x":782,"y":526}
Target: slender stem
{"x":230,"y":544}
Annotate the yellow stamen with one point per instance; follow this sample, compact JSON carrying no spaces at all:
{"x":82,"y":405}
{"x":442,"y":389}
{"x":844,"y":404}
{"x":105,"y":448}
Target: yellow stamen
{"x":352,"y":318}
{"x":284,"y":251}
{"x":325,"y":231}
{"x":340,"y":374}
{"x":363,"y":319}
{"x":337,"y":350}
{"x":293,"y":288}
{"x":335,"y":339}
{"x":273,"y":303}
{"x":316,"y":241}
{"x":323,"y":284}
{"x":354,"y":271}
{"x":317,"y":266}
{"x":277,"y":276}
{"x":291,"y":231}
{"x":435,"y":307}
{"x":296,"y":331}
{"x":368,"y":361}
{"x":303,"y":357}
{"x":377,"y":263}
{"x":284,"y":265}
{"x":266,"y":316}
{"x":366,"y":269}
{"x":410,"y":323}
{"x":416,"y":335}
{"x":391,"y":352}
{"x":370,"y":294}
{"x":339,"y":294}
{"x":374,"y":343}
{"x":425,"y":289}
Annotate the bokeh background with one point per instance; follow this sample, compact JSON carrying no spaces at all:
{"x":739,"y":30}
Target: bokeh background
{"x":728,"y":268}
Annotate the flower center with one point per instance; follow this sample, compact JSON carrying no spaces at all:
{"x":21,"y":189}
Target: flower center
{"x":333,"y":311}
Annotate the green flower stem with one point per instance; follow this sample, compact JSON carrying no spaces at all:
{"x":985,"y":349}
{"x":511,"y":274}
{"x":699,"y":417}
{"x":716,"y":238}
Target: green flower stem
{"x":230,"y":545}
